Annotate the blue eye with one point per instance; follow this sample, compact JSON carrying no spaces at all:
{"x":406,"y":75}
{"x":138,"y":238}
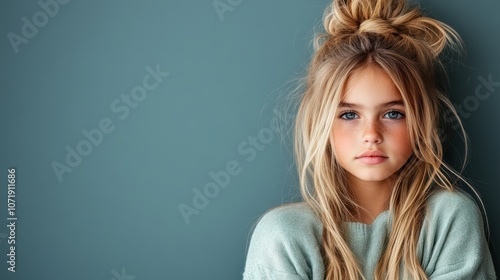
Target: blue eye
{"x":394,"y":115}
{"x":348,"y":116}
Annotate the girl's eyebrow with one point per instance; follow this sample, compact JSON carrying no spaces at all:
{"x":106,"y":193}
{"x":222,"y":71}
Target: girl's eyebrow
{"x":387,"y":104}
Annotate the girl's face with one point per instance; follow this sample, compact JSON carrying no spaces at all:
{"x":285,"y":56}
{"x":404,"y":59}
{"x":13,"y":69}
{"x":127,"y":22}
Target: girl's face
{"x":370,"y":135}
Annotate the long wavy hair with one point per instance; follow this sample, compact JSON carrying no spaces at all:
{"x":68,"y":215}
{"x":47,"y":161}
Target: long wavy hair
{"x":398,"y":38}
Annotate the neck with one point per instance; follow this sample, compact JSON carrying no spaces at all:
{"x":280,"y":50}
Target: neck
{"x":373,"y":197}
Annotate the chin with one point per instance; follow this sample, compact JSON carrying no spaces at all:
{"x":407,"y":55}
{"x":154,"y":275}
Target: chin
{"x":372,"y":177}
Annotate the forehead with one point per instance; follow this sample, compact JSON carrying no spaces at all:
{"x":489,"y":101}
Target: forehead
{"x":370,"y":85}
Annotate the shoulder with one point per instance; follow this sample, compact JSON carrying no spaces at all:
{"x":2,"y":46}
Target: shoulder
{"x":457,"y":196}
{"x":452,"y":244}
{"x":285,"y":241}
{"x":291,"y":214}
{"x":453,"y":211}
{"x":288,"y":220}
{"x":452,"y":205}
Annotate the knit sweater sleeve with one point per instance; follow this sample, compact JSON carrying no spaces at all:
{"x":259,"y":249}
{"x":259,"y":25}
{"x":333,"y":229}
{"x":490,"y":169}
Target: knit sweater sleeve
{"x":454,"y":244}
{"x":284,"y":245}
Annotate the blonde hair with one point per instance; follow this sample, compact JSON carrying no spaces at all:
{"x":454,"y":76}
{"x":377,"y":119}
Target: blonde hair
{"x":407,"y":45}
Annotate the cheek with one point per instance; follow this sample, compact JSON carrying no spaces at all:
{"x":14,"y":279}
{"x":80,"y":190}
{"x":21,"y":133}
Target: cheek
{"x":401,"y":141}
{"x":342,"y":140}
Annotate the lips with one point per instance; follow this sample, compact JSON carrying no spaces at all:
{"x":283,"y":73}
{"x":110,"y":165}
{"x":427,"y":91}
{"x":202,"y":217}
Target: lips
{"x":372,"y":157}
{"x":372,"y":154}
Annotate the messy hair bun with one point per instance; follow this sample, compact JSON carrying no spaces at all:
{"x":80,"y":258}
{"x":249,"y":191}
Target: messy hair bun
{"x":403,"y":26}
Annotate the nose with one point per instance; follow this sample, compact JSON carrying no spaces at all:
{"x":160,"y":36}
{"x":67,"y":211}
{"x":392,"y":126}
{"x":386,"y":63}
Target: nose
{"x":372,"y":132}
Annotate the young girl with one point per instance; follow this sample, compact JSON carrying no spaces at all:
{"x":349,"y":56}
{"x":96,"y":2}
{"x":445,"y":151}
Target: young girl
{"x":380,"y":203}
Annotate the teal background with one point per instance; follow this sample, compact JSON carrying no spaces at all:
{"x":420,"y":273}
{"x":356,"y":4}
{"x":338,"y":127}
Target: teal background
{"x":116,"y":214}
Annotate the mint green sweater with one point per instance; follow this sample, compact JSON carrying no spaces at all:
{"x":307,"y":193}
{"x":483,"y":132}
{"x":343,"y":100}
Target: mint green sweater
{"x":286,"y":242}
